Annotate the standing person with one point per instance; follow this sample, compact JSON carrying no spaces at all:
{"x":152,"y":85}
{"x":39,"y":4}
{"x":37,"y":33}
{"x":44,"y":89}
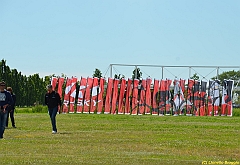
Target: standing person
{"x":52,"y":100}
{"x":5,"y":101}
{"x":11,"y":108}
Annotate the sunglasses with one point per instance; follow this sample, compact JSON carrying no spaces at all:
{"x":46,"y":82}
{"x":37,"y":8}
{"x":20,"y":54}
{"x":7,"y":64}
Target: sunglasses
{"x":2,"y":85}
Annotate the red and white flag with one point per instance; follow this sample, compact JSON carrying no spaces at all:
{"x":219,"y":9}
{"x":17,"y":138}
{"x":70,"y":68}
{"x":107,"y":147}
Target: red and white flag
{"x":189,"y":101}
{"x":135,"y":97}
{"x":155,"y":97}
{"x":121,"y":97}
{"x":82,"y":88}
{"x":203,"y":98}
{"x":60,"y":84}
{"x":94,"y":95}
{"x":196,"y":95}
{"x":216,"y":97}
{"x":87,"y":100}
{"x":148,"y":96}
{"x":54,"y":82}
{"x":162,"y":97}
{"x":168,"y":97}
{"x":100,"y":95}
{"x":128,"y":97}
{"x":108,"y":99}
{"x":142,"y":101}
{"x":227,"y":97}
{"x":67,"y":95}
{"x":115,"y":96}
{"x":72,"y":94}
{"x":210,"y":98}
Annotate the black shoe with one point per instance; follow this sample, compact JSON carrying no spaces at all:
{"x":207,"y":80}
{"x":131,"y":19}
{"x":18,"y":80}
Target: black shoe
{"x":14,"y":126}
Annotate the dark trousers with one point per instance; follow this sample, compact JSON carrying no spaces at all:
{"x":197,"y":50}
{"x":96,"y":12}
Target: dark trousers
{"x":11,"y":114}
{"x":52,"y":113}
{"x":3,"y":117}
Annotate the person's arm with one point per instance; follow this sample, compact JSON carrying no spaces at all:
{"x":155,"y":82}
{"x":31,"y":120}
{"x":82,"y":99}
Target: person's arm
{"x":14,"y":100}
{"x":46,"y":101}
{"x":9,"y":100}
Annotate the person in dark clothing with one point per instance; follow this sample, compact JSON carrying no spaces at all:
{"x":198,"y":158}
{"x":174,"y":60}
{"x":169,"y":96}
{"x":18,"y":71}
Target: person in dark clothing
{"x":5,"y":101}
{"x":52,"y":100}
{"x":11,"y":108}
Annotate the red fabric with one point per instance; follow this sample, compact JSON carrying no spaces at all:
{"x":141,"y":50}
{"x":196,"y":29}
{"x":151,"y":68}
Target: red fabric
{"x":148,"y":96}
{"x":155,"y":97}
{"x":100,"y":95}
{"x":189,"y":97}
{"x":87,"y":100}
{"x":128,"y":95}
{"x":67,"y":95}
{"x":168,"y":97}
{"x":121,"y":97}
{"x":142,"y":101}
{"x":196,"y":98}
{"x":60,"y":84}
{"x":115,"y":96}
{"x":108,"y":96}
{"x":135,"y":97}
{"x":82,"y":88}
{"x":54,"y":82}
{"x":72,"y":94}
{"x":94,"y":95}
{"x":162,"y":97}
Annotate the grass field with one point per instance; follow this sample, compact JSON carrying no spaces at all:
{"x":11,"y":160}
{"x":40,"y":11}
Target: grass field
{"x":121,"y":139}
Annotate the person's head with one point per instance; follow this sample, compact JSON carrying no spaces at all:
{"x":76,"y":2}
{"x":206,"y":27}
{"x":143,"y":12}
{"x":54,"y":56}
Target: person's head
{"x":49,"y":88}
{"x":2,"y":85}
{"x":9,"y":89}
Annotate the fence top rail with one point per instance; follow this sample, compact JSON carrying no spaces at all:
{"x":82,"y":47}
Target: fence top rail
{"x":176,"y":66}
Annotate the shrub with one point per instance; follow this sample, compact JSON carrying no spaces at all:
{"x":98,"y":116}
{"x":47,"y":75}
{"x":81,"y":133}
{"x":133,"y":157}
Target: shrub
{"x":39,"y":109}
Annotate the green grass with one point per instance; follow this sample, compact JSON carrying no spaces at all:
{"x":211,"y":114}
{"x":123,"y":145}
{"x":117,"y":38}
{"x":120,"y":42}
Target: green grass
{"x":120,"y":139}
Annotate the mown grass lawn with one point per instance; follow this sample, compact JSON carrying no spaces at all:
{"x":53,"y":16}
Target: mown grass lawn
{"x":120,"y":139}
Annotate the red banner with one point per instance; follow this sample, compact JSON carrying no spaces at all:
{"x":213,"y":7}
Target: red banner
{"x":54,"y":82}
{"x":72,"y":95}
{"x":67,"y":95}
{"x":155,"y":97}
{"x":142,"y":101}
{"x":202,"y":98}
{"x":210,"y":98}
{"x":189,"y":101}
{"x":115,"y":96}
{"x":162,"y":97}
{"x":227,"y":97}
{"x":168,"y":97}
{"x":121,"y":96}
{"x":82,"y":88}
{"x":196,"y":95}
{"x":94,"y":95}
{"x":148,"y":96}
{"x":87,"y":100}
{"x":100,"y":95}
{"x":135,"y":97}
{"x":60,"y":84}
{"x":108,"y":96}
{"x":128,"y":96}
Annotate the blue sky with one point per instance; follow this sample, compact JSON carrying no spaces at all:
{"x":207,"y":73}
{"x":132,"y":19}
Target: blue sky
{"x":75,"y":37}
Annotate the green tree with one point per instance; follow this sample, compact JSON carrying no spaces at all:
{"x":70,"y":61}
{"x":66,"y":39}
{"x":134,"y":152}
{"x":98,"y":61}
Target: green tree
{"x":119,"y":76}
{"x":137,"y":73}
{"x":97,"y":73}
{"x":194,"y":76}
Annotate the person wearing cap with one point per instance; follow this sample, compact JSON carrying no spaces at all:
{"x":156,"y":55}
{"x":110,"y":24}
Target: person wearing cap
{"x":11,"y":108}
{"x":5,"y":101}
{"x":52,"y":100}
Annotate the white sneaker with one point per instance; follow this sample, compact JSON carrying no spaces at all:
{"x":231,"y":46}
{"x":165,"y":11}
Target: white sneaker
{"x":54,"y":132}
